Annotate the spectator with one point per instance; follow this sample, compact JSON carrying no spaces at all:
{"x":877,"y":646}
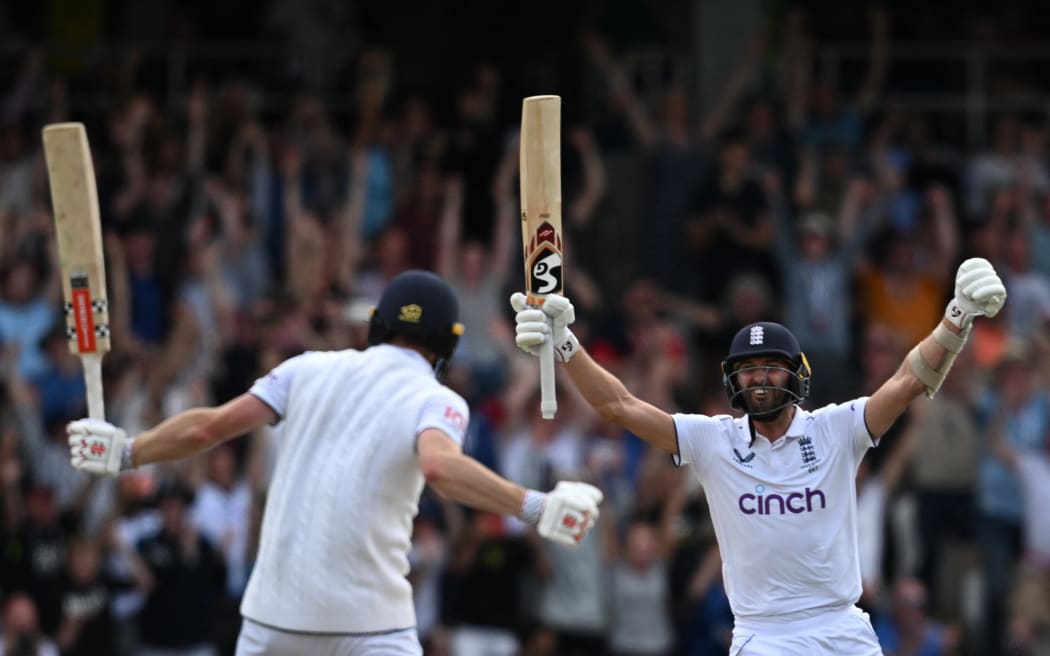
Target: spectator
{"x":190,"y":577}
{"x":831,"y":122}
{"x":907,"y":631}
{"x":675,"y":146}
{"x":87,"y":625}
{"x":816,"y":261}
{"x":1025,"y":412}
{"x":28,"y":296}
{"x":1027,"y":286}
{"x":731,"y":227}
{"x":1029,"y":625}
{"x":485,"y":583}
{"x":641,"y":598}
{"x":902,"y":284}
{"x":36,"y":548}
{"x":221,"y":511}
{"x":21,"y":632}
{"x":944,"y":468}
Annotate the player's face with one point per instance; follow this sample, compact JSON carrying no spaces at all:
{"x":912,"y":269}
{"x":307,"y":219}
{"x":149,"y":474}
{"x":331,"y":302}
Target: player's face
{"x":764,"y":380}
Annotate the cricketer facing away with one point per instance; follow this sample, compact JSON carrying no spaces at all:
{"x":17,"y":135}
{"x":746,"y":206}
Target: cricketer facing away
{"x":360,"y":433}
{"x":780,"y":480}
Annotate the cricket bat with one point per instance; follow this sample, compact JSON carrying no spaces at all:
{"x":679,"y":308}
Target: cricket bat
{"x":540,"y":152}
{"x":74,"y":198}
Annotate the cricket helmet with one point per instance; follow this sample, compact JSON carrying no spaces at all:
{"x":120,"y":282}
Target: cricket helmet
{"x":766,"y":338}
{"x":420,"y":306}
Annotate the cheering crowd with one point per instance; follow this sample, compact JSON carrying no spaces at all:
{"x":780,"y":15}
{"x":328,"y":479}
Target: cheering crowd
{"x":236,"y":238}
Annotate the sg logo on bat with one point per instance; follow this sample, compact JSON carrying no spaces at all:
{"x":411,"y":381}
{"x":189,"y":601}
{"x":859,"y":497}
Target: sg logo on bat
{"x":545,"y":271}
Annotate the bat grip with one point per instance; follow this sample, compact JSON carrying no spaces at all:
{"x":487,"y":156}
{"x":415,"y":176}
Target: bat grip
{"x":548,"y":397}
{"x":92,"y":363}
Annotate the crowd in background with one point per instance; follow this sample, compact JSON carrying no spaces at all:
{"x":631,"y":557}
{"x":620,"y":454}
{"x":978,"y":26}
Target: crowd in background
{"x":235,"y":239}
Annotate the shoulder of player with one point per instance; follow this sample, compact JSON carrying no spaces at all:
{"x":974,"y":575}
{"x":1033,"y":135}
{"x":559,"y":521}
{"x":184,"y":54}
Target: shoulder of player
{"x":449,"y":394}
{"x":827,"y":412}
{"x":698,"y":425}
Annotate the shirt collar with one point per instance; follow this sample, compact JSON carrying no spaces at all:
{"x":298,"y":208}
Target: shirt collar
{"x":409,"y":355}
{"x":796,"y":429}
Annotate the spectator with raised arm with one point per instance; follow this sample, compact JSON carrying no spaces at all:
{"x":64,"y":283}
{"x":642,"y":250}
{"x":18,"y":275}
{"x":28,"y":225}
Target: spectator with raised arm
{"x":903,"y":280}
{"x":817,"y":255}
{"x":1029,"y":605}
{"x":833,"y":122}
{"x":1013,"y":404}
{"x":675,"y":145}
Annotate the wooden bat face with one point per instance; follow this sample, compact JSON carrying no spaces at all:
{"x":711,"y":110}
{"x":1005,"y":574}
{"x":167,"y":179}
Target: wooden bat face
{"x":541,"y":196}
{"x":75,"y":200}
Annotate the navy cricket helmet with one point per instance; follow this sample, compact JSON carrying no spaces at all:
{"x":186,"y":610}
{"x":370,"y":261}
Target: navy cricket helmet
{"x":422,"y":307}
{"x":766,"y":338}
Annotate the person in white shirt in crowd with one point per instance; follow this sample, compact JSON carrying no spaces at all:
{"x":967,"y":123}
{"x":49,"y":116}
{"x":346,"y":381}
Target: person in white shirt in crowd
{"x":1029,"y":624}
{"x":362,"y":432}
{"x":779,"y":480}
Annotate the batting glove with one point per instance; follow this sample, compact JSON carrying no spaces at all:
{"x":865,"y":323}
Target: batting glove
{"x":535,"y":324}
{"x":978,"y":292}
{"x":565,"y":514}
{"x":98,"y":447}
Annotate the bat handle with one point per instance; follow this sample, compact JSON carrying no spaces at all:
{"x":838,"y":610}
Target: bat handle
{"x":548,"y":396}
{"x":92,"y":363}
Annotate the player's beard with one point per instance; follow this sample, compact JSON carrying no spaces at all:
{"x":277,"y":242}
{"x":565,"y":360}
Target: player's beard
{"x":767,"y":408}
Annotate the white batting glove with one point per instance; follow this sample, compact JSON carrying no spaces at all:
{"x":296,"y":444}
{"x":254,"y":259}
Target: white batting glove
{"x":565,"y":514}
{"x":536,"y":324}
{"x":98,"y":447}
{"x":978,"y":292}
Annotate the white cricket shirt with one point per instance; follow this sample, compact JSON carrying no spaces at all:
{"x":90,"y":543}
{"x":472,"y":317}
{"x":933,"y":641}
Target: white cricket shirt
{"x":336,"y":532}
{"x":785,"y":514}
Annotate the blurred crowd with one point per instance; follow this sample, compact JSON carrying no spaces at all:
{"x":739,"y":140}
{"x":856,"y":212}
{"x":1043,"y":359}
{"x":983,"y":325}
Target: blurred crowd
{"x":235,"y":239}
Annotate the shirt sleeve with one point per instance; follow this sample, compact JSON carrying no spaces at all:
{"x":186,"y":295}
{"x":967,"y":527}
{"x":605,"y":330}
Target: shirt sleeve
{"x":847,"y":420}
{"x":696,"y":435}
{"x":275,"y":388}
{"x":447,"y":412}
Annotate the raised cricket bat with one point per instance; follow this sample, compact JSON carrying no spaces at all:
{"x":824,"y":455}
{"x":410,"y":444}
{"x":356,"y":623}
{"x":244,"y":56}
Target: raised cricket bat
{"x":74,"y":198}
{"x":540,"y":146}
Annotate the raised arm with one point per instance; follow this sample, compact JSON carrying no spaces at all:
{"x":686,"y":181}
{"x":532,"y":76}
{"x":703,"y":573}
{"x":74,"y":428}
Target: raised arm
{"x":507,"y":221}
{"x":798,"y":70}
{"x":350,"y":216}
{"x":450,"y":228}
{"x":641,"y":124}
{"x":101,"y":448}
{"x":878,"y":60}
{"x":978,"y":292}
{"x":582,"y":207}
{"x":717,"y":117}
{"x":945,"y":230}
{"x":603,"y":391}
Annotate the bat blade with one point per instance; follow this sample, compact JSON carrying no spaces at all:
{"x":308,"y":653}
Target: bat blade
{"x":540,"y":171}
{"x":74,"y":198}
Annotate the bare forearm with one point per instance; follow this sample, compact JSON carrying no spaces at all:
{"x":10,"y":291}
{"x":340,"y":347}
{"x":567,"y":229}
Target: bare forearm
{"x":467,"y":481}
{"x":603,"y":391}
{"x":177,"y":437}
{"x":610,"y":398}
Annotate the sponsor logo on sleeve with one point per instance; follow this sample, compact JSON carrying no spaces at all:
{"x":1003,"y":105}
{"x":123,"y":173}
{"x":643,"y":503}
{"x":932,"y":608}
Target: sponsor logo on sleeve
{"x":454,"y":417}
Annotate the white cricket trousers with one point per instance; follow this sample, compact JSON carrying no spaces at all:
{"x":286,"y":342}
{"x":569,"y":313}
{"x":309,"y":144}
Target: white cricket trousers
{"x":259,"y":640}
{"x":844,"y":630}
